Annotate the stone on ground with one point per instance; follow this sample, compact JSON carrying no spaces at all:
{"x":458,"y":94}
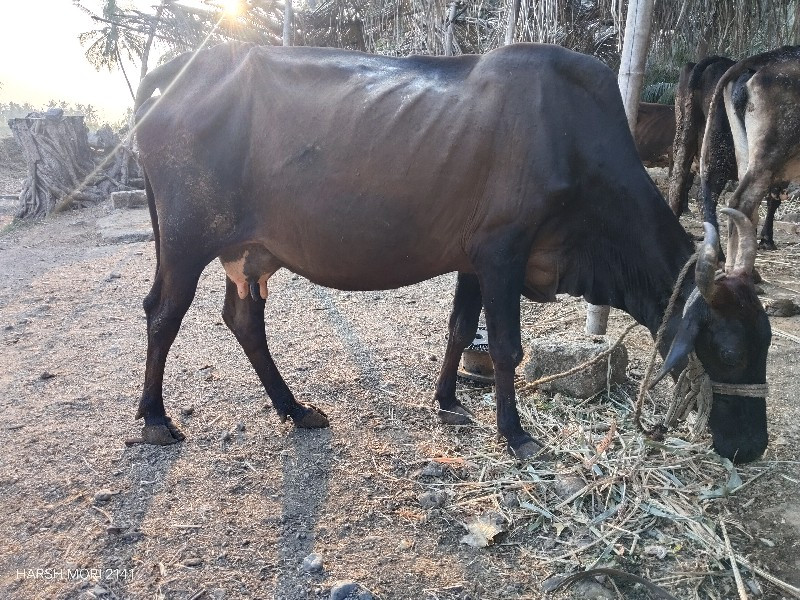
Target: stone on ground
{"x":555,"y":354}
{"x":129,"y":199}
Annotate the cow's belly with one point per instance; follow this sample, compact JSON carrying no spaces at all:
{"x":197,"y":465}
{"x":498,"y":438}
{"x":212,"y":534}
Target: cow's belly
{"x":346,"y":266}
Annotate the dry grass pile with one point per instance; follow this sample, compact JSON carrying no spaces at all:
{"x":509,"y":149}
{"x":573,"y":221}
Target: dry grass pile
{"x":608,"y":496}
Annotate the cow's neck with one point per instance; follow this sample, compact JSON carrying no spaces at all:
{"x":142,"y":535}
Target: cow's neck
{"x":647,"y":304}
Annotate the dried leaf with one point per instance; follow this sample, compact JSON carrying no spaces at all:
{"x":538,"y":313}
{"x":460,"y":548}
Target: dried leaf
{"x":482,"y":531}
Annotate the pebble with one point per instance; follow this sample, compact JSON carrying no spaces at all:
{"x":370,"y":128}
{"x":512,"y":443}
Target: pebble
{"x":432,"y":469}
{"x":187,"y":411}
{"x":568,"y":485}
{"x":510,"y":500}
{"x":432,"y":499}
{"x":312,"y":563}
{"x":99,"y":591}
{"x":755,"y":587}
{"x":782,"y":307}
{"x":103,"y":495}
{"x":113,"y":275}
{"x":344,"y":590}
{"x":193,"y":562}
{"x":591,"y":590}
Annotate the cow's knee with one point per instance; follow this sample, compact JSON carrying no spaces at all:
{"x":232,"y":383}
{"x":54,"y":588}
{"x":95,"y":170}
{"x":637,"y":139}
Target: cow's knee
{"x":505,"y":355}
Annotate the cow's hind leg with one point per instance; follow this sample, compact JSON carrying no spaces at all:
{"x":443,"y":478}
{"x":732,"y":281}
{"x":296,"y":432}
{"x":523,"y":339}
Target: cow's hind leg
{"x":165,"y":306}
{"x":767,"y":241}
{"x":463,"y":324}
{"x":245,"y":318}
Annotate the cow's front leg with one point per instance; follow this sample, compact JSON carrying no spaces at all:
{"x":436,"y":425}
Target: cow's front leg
{"x":501,"y":285}
{"x":462,"y":327}
{"x":245,"y":318}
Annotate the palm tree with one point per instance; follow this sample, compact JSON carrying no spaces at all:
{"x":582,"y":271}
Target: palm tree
{"x":109,"y":43}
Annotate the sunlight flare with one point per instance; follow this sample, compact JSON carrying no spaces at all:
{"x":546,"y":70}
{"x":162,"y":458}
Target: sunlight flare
{"x":233,"y":8}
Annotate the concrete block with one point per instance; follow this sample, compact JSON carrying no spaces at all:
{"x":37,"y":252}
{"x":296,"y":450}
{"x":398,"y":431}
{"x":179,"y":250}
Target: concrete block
{"x":129,"y":199}
{"x":125,"y":227}
{"x":554,"y":354}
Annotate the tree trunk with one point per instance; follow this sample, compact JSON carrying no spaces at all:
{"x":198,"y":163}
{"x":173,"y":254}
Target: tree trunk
{"x":634,"y":56}
{"x":288,"y":17}
{"x":448,"y":36}
{"x":61,"y":168}
{"x":630,"y":79}
{"x":512,"y":22}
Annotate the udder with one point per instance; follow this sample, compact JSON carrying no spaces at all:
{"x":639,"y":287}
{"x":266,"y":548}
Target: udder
{"x":249,"y":266}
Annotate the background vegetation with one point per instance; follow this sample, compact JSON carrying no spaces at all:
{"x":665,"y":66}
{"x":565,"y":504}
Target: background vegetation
{"x":683,"y":30}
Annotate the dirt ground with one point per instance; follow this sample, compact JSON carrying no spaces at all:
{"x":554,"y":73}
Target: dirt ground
{"x":235,"y":510}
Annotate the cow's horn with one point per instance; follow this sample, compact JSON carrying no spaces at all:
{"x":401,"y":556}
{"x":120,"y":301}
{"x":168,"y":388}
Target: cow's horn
{"x":706,"y":267}
{"x":746,"y":252}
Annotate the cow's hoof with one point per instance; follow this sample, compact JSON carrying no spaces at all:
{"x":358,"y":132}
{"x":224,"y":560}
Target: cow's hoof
{"x":313,"y":418}
{"x":162,"y":435}
{"x":766,"y":245}
{"x":530,"y":449}
{"x":457,"y":415}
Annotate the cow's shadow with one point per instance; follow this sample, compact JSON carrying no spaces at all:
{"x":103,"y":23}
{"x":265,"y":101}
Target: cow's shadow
{"x":306,"y":467}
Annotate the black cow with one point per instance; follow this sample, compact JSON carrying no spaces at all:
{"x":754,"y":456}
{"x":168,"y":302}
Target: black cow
{"x":753,"y":134}
{"x":361,"y":172}
{"x":655,"y":131}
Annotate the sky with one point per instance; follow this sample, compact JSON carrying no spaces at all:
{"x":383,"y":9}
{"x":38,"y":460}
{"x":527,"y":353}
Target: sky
{"x":42,"y":59}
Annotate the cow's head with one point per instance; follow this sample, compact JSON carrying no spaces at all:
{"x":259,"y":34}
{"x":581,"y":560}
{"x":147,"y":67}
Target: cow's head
{"x":726,"y":326}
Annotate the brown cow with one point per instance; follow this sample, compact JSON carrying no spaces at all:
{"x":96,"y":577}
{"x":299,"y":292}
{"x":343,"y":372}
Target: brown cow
{"x":655,"y":131}
{"x":693,"y":94}
{"x":754,"y":117}
{"x":361,"y":172}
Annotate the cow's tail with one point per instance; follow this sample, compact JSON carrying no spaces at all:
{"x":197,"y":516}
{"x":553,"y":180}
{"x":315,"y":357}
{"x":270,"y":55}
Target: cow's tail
{"x":159,"y":79}
{"x":718,"y":154}
{"x":151,"y":205}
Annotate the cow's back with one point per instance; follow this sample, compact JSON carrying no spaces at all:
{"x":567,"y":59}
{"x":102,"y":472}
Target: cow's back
{"x":361,"y":171}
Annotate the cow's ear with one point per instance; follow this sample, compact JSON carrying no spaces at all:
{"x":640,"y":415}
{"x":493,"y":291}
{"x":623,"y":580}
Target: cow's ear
{"x":683,"y":343}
